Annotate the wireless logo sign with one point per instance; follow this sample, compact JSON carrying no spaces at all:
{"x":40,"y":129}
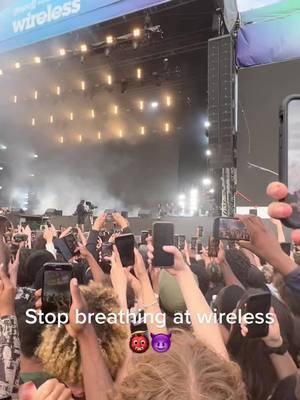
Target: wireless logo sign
{"x":50,"y":14}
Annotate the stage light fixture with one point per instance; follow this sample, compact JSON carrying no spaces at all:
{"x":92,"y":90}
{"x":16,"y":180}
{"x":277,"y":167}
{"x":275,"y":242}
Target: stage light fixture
{"x":17,"y":65}
{"x":1,"y":72}
{"x":58,"y":90}
{"x":116,"y":109}
{"x":206,"y":181}
{"x":141,"y":105}
{"x":109,"y":80}
{"x":154,"y":104}
{"x":51,"y":119}
{"x":109,"y":39}
{"x":137,"y":32}
{"x":15,"y":99}
{"x":142,"y":130}
{"x":82,"y":85}
{"x":35,"y":95}
{"x":139,"y":73}
{"x":167,"y":127}
{"x":61,"y":140}
{"x":207,"y":124}
{"x":35,"y":156}
{"x":1,"y":187}
{"x":62,"y":52}
{"x":80,"y":138}
{"x":33,"y":121}
{"x":93,"y":114}
{"x":71,"y":116}
{"x":83,"y":48}
{"x":208,"y":153}
{"x":120,"y":133}
{"x":1,"y":168}
{"x":168,"y":101}
{"x":3,"y":147}
{"x":31,"y":175}
{"x":99,"y":135}
{"x":37,"y":60}
{"x":211,"y":191}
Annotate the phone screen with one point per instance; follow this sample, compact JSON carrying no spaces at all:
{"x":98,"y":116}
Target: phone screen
{"x":163,"y":235}
{"x":71,"y":243}
{"x":258,"y":304}
{"x":56,"y":288}
{"x":194,"y":243}
{"x":144,"y":235}
{"x":125,"y":246}
{"x":230,"y":229}
{"x":213,"y":247}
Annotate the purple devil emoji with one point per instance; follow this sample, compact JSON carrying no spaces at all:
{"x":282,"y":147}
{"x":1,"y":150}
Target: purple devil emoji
{"x":161,"y":343}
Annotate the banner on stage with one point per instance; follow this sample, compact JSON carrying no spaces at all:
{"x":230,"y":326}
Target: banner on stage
{"x":30,"y":21}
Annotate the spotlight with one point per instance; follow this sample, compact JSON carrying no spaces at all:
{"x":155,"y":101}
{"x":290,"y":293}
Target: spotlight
{"x":82,"y":85}
{"x":139,"y":73}
{"x":15,"y":99}
{"x":141,"y":105}
{"x":207,"y":124}
{"x":208,"y":153}
{"x":61,"y":140}
{"x":99,"y":135}
{"x":211,"y":191}
{"x":120,"y":133}
{"x":109,"y":80}
{"x":109,"y":39}
{"x":1,"y":72}
{"x":3,"y":147}
{"x":167,"y":127}
{"x":17,"y":65}
{"x":71,"y":116}
{"x":37,"y":60}
{"x":168,"y":101}
{"x":136,"y":32}
{"x":116,"y":109}
{"x":35,"y":156}
{"x":35,"y":95}
{"x":80,"y":138}
{"x":1,"y":168}
{"x":1,"y":187}
{"x":154,"y":104}
{"x":58,"y":91}
{"x":83,"y":48}
{"x":93,"y":114}
{"x":206,"y":181}
{"x":51,"y":119}
{"x":33,"y":121}
{"x":31,"y":175}
{"x":142,"y":130}
{"x":62,"y":52}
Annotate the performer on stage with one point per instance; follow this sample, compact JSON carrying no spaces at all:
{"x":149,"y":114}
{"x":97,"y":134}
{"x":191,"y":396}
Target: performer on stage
{"x":81,"y":213}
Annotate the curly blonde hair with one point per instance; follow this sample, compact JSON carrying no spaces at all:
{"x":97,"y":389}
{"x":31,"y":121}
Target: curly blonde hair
{"x":188,"y":371}
{"x":60,"y":353}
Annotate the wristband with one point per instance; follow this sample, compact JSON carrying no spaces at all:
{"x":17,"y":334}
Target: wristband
{"x":281,"y":350}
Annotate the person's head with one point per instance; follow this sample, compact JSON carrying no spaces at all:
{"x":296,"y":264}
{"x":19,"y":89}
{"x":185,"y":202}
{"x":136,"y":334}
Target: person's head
{"x":257,"y":368}
{"x":60,"y":353}
{"x":189,"y":370}
{"x":34,"y":263}
{"x":30,"y":334}
{"x":247,"y":274}
{"x":21,"y":275}
{"x":40,"y":243}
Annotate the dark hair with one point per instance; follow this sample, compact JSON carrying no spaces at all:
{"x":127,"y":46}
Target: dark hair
{"x":29,"y":333}
{"x":227,"y":300}
{"x":21,"y":274}
{"x":199,"y":270}
{"x":286,"y":389}
{"x":40,"y":243}
{"x":247,"y":274}
{"x":35,"y":262}
{"x":258,"y":371}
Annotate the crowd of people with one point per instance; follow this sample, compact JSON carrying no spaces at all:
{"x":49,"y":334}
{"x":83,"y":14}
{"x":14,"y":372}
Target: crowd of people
{"x":189,"y":359}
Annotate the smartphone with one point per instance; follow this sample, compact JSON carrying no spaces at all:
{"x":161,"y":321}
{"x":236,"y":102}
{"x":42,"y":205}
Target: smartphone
{"x":144,"y":235}
{"x":56,"y":297}
{"x":181,"y":242}
{"x":125,"y":246}
{"x":199,"y":231}
{"x":163,"y":235}
{"x":286,"y":247}
{"x":109,"y":213}
{"x":230,"y":229}
{"x":71,"y":243}
{"x":213,"y":247}
{"x":194,"y":243}
{"x":289,"y":155}
{"x":199,"y":247}
{"x":106,"y":249}
{"x":19,"y":238}
{"x":253,"y":211}
{"x":258,"y":304}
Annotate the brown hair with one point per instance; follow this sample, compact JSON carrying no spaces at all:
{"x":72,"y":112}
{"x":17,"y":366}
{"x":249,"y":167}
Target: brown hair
{"x":188,"y":371}
{"x":60,"y":353}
